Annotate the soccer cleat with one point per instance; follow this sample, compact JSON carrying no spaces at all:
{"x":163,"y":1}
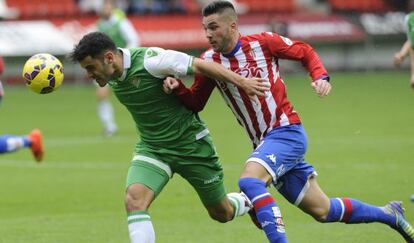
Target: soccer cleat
{"x":35,"y":137}
{"x":248,"y":205}
{"x":401,"y":225}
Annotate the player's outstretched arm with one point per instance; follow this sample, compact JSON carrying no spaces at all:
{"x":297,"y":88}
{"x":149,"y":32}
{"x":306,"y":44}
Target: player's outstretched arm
{"x":252,"y":86}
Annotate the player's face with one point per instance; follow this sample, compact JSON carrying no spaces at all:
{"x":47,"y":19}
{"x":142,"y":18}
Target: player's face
{"x":106,"y":10}
{"x":218,"y":32}
{"x":99,"y":69}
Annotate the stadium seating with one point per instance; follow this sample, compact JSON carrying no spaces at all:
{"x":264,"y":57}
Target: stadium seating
{"x":377,"y":6}
{"x":34,"y":9}
{"x":264,"y":6}
{"x":270,"y":6}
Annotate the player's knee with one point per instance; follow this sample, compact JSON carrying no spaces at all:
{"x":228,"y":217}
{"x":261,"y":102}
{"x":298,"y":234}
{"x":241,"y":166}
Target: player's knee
{"x":320,"y":214}
{"x":134,"y":202}
{"x":247,"y":184}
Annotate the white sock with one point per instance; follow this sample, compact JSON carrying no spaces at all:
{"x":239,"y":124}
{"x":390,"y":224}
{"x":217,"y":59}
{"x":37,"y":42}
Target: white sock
{"x":14,"y":143}
{"x":241,"y":203}
{"x":140,"y":227}
{"x":106,"y":114}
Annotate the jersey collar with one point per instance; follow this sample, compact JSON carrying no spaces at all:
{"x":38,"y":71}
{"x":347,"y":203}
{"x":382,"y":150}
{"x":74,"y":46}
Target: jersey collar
{"x":127,"y":62}
{"x":235,"y":49}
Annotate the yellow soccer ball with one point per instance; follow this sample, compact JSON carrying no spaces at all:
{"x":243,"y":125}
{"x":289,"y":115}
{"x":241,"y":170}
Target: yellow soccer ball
{"x":43,"y":73}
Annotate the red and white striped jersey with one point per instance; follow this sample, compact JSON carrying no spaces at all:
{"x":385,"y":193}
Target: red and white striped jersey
{"x":256,"y":56}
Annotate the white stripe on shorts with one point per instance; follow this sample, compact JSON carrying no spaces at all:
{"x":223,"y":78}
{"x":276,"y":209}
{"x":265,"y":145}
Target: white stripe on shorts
{"x":202,"y":134}
{"x":265,"y":165}
{"x":155,"y":162}
{"x":304,"y":189}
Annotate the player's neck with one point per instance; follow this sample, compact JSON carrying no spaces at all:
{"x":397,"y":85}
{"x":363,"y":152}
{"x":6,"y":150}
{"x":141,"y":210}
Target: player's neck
{"x":119,"y":63}
{"x":232,"y":44}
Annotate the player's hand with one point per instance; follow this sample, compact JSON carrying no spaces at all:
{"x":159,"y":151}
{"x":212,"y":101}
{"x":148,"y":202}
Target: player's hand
{"x":412,"y":82}
{"x":322,"y":87}
{"x":398,"y":59}
{"x":170,"y":84}
{"x":255,"y":87}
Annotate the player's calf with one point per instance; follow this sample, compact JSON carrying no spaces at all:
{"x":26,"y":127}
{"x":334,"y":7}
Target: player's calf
{"x":267,"y":212}
{"x":236,"y":204}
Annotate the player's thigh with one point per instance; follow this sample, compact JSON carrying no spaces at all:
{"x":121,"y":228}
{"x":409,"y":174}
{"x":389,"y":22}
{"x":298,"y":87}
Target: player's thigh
{"x":147,"y":169}
{"x":315,"y":202}
{"x":203,"y":170}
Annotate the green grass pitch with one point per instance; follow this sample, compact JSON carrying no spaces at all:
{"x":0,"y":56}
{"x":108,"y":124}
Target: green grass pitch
{"x":361,"y":141}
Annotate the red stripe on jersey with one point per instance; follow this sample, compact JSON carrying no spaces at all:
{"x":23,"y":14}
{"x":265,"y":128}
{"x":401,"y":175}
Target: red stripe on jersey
{"x":263,"y":202}
{"x":348,"y":209}
{"x":252,"y":62}
{"x":216,"y":58}
{"x":234,"y":66}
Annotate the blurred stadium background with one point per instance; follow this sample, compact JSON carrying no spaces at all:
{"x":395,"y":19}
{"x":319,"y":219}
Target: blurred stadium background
{"x":360,"y":138}
{"x":349,"y":35}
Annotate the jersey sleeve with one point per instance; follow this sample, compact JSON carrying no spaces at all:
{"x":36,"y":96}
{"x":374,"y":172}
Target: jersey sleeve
{"x":409,"y":23}
{"x":196,"y":97}
{"x":161,"y":63}
{"x":285,"y":48}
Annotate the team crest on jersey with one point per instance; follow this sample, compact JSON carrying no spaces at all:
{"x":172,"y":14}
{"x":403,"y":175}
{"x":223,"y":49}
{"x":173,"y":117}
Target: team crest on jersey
{"x":151,"y":53}
{"x":135,"y":81}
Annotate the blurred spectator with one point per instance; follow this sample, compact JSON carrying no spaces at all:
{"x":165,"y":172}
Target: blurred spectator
{"x":90,"y":6}
{"x":116,"y":25}
{"x":407,"y":48}
{"x":6,"y":12}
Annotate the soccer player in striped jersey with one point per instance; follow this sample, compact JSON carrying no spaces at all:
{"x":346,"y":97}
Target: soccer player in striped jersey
{"x":12,"y":143}
{"x":274,"y":128}
{"x":172,"y":139}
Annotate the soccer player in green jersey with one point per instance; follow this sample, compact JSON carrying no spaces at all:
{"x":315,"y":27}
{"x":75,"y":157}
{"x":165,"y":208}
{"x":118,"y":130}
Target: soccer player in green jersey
{"x":407,"y":48}
{"x":172,"y":138}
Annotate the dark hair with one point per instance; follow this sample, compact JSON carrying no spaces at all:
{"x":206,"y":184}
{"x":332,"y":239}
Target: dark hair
{"x":217,"y":7}
{"x":92,"y":44}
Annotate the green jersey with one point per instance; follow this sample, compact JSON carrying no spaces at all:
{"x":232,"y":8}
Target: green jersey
{"x":112,"y":27}
{"x":160,"y":118}
{"x":409,"y":19}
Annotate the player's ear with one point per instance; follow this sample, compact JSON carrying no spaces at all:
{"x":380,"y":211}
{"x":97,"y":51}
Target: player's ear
{"x":108,"y":57}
